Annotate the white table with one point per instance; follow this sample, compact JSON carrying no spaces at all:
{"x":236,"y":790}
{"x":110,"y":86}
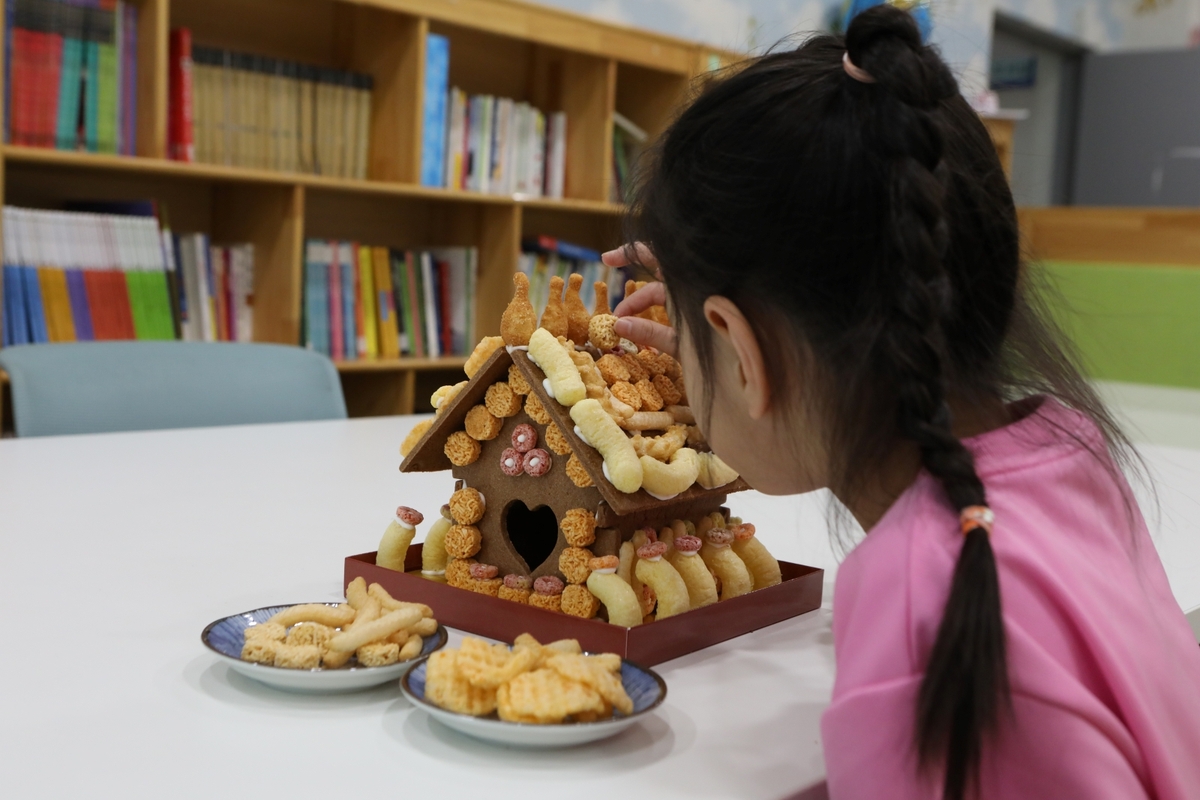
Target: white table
{"x":115,"y":550}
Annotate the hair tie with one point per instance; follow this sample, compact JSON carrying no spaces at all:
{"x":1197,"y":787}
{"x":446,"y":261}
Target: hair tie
{"x":859,"y":74}
{"x":973,"y":517}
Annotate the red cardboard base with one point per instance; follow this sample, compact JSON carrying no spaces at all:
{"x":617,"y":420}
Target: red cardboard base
{"x":647,"y":645}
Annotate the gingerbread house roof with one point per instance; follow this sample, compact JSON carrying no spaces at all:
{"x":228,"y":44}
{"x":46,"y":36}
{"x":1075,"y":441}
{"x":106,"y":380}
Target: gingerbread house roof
{"x":428,"y":455}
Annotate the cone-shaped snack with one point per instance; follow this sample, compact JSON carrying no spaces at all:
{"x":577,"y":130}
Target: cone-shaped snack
{"x":519,"y":321}
{"x":601,"y":306}
{"x":577,"y":313}
{"x":554,"y":318}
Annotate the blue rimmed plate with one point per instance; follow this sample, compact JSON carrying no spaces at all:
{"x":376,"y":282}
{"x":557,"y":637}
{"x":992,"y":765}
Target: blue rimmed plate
{"x":226,"y":636}
{"x":645,"y":687}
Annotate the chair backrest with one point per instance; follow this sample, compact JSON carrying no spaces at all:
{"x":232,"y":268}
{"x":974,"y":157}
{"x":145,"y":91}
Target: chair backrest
{"x":95,"y":387}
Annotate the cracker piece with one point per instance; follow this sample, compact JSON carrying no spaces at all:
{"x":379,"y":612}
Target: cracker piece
{"x":445,"y":686}
{"x":310,"y":633}
{"x":260,"y":650}
{"x":573,"y":564}
{"x":517,"y":382}
{"x":378,"y":654}
{"x":300,"y":656}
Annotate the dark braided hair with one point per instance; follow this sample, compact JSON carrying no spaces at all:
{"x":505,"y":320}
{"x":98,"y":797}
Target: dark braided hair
{"x":872,"y":225}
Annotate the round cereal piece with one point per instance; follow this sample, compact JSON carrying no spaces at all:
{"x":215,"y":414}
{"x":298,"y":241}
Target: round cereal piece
{"x":537,"y":463}
{"x":548,"y":585}
{"x":482,"y":425}
{"x":573,"y":564}
{"x":515,"y":581}
{"x":720,"y":536}
{"x":628,"y":394}
{"x":612,"y":369}
{"x":578,"y":527}
{"x":463,"y":541}
{"x":602,"y":332}
{"x":461,"y":449}
{"x":744,"y":531}
{"x":409,"y":517}
{"x":458,"y":572}
{"x":512,"y":463}
{"x":536,"y":411}
{"x":637,"y":371}
{"x":516,"y":380}
{"x":556,"y":440}
{"x":524,"y":437}
{"x":666,"y":390}
{"x":651,"y":399}
{"x":547,"y":602}
{"x":604,"y":562}
{"x":578,"y":601}
{"x":577,"y":473}
{"x":484,"y":572}
{"x":467,"y":506}
{"x":688,"y":543}
{"x":653,"y":550}
{"x":513,"y":595}
{"x":502,"y":401}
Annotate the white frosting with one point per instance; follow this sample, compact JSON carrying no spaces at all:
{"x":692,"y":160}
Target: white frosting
{"x":549,"y":389}
{"x":604,"y":469}
{"x":405,"y":525}
{"x":608,"y":571}
{"x":433,"y":572}
{"x":688,"y":552}
{"x":661,"y":496}
{"x":533,"y":462}
{"x":508,"y":462}
{"x":522,"y":438}
{"x":716,"y":546}
{"x":653,"y":558}
{"x":582,"y":438}
{"x":512,"y":348}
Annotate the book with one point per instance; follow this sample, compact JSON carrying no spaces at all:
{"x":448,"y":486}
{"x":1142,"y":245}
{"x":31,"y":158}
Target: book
{"x":181,"y":146}
{"x":347,"y":258}
{"x":368,"y":305}
{"x":388,"y":325}
{"x":556,"y":155}
{"x":433,"y":140}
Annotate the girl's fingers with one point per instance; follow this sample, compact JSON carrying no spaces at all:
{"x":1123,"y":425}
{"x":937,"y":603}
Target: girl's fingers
{"x":652,"y":294}
{"x":646,"y":333}
{"x":621,"y":257}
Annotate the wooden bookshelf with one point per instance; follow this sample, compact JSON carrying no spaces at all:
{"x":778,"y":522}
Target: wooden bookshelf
{"x":554,"y":59}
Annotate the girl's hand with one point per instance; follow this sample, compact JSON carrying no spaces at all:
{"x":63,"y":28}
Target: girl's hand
{"x":642,"y":332}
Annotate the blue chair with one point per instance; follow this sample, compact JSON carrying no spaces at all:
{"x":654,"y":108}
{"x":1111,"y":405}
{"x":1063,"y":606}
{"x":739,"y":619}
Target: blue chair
{"x":96,"y":387}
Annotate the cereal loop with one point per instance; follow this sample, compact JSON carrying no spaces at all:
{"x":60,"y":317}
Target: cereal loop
{"x":744,"y":531}
{"x":537,"y":463}
{"x":609,"y":562}
{"x":719,"y":536}
{"x":409,"y":516}
{"x":484,"y":572}
{"x":548,"y":585}
{"x":512,"y":463}
{"x":688,"y":544}
{"x":524,"y":437}
{"x":652,"y":550}
{"x":514,"y":581}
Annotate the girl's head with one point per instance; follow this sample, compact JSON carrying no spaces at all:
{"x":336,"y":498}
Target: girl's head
{"x":843,"y":265}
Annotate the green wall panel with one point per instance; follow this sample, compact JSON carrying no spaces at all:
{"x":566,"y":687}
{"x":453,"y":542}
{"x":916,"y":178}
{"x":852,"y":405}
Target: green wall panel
{"x":1132,"y":322}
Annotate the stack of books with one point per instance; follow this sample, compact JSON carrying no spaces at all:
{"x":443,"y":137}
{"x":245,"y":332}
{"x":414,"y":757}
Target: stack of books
{"x":629,"y":141}
{"x":483,"y":143}
{"x":71,"y":74}
{"x":244,"y":110}
{"x":216,"y":289}
{"x":543,"y":257}
{"x":376,"y":302}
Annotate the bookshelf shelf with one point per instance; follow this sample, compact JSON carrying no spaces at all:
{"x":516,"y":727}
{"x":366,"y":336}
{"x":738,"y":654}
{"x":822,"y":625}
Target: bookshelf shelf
{"x":556,"y":60}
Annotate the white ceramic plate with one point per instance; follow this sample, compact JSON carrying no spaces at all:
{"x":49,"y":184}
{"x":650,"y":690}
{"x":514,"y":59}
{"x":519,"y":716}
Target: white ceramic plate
{"x":225,"y":638}
{"x":646,"y":688}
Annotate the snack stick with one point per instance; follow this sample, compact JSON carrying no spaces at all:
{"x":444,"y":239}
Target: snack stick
{"x":648,"y":421}
{"x":682,"y":414}
{"x":396,"y":539}
{"x":735,"y":578}
{"x":704,"y":525}
{"x":315,"y":612}
{"x":385,"y":626}
{"x":627,"y":555}
{"x":702,"y":588}
{"x":425,"y":627}
{"x":356,"y":592}
{"x":667,"y":536}
{"x":412,"y":648}
{"x":433,"y":553}
{"x":388,"y":603}
{"x":561,"y":373}
{"x":763,"y":566}
{"x":331,"y":659}
{"x":621,"y":465}
{"x":662,"y":577}
{"x":664,"y":481}
{"x":718,"y":520}
{"x":399,"y":637}
{"x":618,"y":597}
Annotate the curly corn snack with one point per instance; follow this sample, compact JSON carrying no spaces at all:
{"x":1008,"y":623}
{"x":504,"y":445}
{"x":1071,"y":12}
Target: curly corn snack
{"x":577,"y":313}
{"x":573,"y":564}
{"x":663,"y":578}
{"x":463,"y":541}
{"x":519,"y":320}
{"x":614,"y":592}
{"x":647,"y":421}
{"x":536,"y":411}
{"x":461,"y":449}
{"x":577,"y":473}
{"x":446,"y":686}
{"x":728,"y":567}
{"x":714,"y":472}
{"x":482,"y":352}
{"x":440,"y":400}
{"x":563,"y":376}
{"x":516,"y":381}
{"x":482,"y":425}
{"x":578,"y":527}
{"x":621,"y":463}
{"x":763,"y":566}
{"x":414,"y":436}
{"x":664,"y":481}
{"x":467,"y":506}
{"x":685,"y":557}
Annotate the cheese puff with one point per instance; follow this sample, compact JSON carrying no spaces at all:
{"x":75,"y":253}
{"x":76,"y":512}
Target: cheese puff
{"x":299,"y":656}
{"x":446,"y":686}
{"x":440,"y":400}
{"x":601,"y":305}
{"x":577,"y":473}
{"x":502,"y":401}
{"x":393,"y":547}
{"x":260,"y":650}
{"x":664,"y":481}
{"x":556,"y":440}
{"x":334,"y":617}
{"x":467,"y":506}
{"x":414,"y":436}
{"x":637,"y":372}
{"x":578,"y":527}
{"x":578,"y":601}
{"x":735,"y":578}
{"x":666,"y":390}
{"x":662,"y":577}
{"x":628,"y":394}
{"x":573,"y":564}
{"x":536,"y":411}
{"x":516,"y":381}
{"x":614,"y":592}
{"x":621,"y":464}
{"x":684,"y":556}
{"x":554,"y":316}
{"x":602,"y":332}
{"x":612,"y":369}
{"x":651,"y":399}
{"x":433,"y":552}
{"x":378,"y":654}
{"x":577,"y":313}
{"x":463,"y":541}
{"x":482,"y":352}
{"x":270,"y":631}
{"x":458,"y":572}
{"x":763,"y":566}
{"x":626,"y":555}
{"x":519,"y":321}
{"x":481,"y":425}
{"x":660,"y":447}
{"x":714,"y":472}
{"x":411,"y":649}
{"x":461,"y":449}
{"x":357,"y":594}
{"x":562,"y":375}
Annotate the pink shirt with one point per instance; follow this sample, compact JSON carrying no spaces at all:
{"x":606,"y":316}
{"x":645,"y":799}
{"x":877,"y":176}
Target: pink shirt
{"x":1105,"y":673}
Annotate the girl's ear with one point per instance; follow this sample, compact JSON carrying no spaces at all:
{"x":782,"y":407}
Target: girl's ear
{"x":735,"y":332}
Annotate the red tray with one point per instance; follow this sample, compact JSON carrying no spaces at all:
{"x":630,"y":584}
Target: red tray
{"x":647,"y":645}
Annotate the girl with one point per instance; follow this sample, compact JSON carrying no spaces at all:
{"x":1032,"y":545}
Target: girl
{"x":839,"y":248}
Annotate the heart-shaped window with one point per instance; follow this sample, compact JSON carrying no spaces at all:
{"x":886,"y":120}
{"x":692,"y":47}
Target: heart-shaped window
{"x":534,"y":534}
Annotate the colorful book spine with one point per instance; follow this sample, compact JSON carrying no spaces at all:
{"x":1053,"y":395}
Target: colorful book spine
{"x":437,"y":80}
{"x":369,"y":303}
{"x":347,"y":252}
{"x":180,"y":133}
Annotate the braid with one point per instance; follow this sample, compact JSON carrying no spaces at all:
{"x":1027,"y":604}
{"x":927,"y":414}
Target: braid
{"x":965,"y":682}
